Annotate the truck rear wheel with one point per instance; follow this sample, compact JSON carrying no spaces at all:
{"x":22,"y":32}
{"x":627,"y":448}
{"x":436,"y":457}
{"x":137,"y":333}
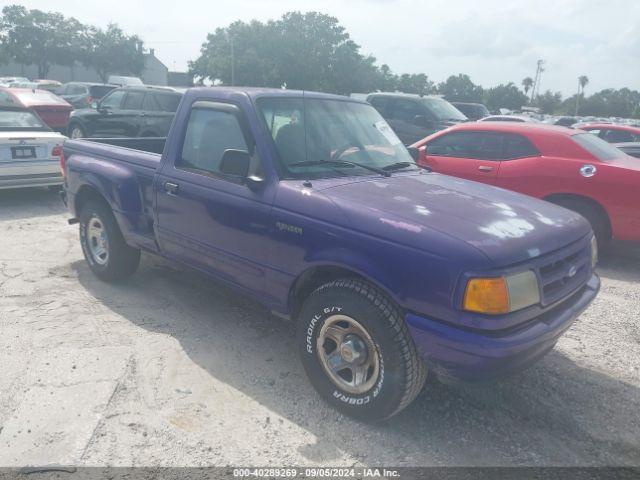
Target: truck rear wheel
{"x":357,"y":351}
{"x":104,"y":248}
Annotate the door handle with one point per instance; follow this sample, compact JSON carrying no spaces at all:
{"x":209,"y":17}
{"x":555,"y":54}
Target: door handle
{"x":485,"y":168}
{"x":171,"y":188}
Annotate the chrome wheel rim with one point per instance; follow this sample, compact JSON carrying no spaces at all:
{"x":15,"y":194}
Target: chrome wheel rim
{"x":348,"y":354}
{"x":98,"y":242}
{"x":76,"y":132}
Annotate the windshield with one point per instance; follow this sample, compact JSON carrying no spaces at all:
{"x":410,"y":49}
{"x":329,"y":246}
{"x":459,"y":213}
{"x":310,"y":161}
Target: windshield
{"x":443,"y":110}
{"x":597,"y":147}
{"x":13,"y":120}
{"x":308,"y":132}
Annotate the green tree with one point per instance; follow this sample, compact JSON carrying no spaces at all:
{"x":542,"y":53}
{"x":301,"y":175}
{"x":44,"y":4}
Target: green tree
{"x":417,"y":83}
{"x":504,"y":96}
{"x":460,"y":88}
{"x":111,"y":51}
{"x":549,"y":102}
{"x":34,"y":37}
{"x":387,"y":81}
{"x":309,"y":51}
{"x":527,"y":83}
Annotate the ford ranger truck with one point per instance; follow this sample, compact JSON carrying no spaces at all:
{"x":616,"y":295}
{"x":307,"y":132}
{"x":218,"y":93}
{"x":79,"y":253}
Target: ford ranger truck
{"x":310,"y":204}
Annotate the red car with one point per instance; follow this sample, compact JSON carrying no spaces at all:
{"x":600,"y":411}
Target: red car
{"x":53,"y":110}
{"x":568,"y":167}
{"x":612,"y":133}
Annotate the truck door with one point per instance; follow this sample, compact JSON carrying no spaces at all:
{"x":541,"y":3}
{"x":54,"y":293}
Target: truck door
{"x":466,"y":154}
{"x":208,"y":219}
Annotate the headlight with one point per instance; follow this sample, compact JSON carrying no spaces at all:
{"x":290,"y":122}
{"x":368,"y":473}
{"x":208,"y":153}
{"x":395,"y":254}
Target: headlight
{"x":594,"y":252}
{"x":499,"y":295}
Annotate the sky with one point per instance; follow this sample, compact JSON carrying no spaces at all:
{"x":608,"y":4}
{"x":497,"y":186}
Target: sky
{"x":493,"y":41}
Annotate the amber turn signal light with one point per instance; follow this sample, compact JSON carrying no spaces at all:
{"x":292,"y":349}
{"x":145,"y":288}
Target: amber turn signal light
{"x":487,"y":295}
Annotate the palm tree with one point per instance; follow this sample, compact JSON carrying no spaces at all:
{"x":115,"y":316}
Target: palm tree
{"x":527,"y":83}
{"x":583,"y":81}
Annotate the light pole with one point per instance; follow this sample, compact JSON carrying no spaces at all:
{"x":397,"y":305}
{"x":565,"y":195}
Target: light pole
{"x":536,"y":82}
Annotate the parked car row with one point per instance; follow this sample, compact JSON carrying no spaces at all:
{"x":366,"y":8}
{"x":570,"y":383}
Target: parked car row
{"x":568,"y":167}
{"x":29,"y":150}
{"x":53,"y":110}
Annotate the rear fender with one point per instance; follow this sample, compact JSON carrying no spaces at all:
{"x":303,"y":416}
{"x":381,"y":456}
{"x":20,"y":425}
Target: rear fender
{"x":117,"y":184}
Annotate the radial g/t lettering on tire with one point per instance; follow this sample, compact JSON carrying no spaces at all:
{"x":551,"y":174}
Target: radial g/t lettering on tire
{"x":357,"y":351}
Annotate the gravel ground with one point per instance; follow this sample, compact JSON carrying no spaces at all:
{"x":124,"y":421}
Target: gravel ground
{"x":172,"y":369}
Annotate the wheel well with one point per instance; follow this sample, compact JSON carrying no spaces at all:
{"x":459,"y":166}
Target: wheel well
{"x":85,"y":194}
{"x":313,"y":278}
{"x":566,"y":199}
{"x":72,"y":124}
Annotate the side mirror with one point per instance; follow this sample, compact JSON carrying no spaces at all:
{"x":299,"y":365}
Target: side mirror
{"x":95,"y":105}
{"x":237,"y":163}
{"x":414,"y":152}
{"x":422,"y":121}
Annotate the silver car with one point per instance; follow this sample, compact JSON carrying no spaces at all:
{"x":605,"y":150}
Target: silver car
{"x":30,"y":152}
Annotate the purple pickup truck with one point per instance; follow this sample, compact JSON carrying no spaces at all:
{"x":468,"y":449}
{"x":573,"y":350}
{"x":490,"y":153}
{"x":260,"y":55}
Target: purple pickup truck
{"x":310,"y":204}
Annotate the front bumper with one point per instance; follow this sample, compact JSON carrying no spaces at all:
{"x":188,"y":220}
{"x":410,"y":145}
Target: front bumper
{"x":456,"y":355}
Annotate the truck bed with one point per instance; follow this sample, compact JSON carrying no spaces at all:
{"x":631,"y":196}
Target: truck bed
{"x":141,"y":157}
{"x":142,"y":152}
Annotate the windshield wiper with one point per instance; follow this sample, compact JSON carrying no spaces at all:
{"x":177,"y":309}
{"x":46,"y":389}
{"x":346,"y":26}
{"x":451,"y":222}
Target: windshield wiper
{"x":310,"y":163}
{"x":398,"y":166}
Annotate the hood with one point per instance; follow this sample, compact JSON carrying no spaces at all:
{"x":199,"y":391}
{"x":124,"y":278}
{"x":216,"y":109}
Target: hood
{"x":505,"y":226}
{"x":85,"y":112}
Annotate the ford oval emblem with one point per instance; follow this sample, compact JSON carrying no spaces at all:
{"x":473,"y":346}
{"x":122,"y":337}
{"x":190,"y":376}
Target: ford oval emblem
{"x":572,"y":271}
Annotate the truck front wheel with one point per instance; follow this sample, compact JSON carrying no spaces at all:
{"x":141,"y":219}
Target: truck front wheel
{"x":357,"y":351}
{"x":104,"y":248}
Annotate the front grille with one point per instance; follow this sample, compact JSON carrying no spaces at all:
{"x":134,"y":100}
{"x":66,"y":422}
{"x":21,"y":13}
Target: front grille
{"x":564,"y":273}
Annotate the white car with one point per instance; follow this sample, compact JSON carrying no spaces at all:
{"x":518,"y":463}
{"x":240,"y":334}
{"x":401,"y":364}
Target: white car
{"x":30,"y":152}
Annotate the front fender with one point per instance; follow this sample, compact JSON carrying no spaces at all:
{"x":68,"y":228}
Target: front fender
{"x":359,"y":263}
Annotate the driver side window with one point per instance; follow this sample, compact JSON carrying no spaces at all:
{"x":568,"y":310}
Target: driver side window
{"x":113,"y":100}
{"x":209,"y":134}
{"x":472,"y":145}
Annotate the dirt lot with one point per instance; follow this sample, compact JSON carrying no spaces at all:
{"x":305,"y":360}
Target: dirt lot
{"x":172,"y":369}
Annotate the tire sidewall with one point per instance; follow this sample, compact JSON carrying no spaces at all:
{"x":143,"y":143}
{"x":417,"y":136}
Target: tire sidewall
{"x":75,"y":126}
{"x":382,"y":398}
{"x":90,"y":211}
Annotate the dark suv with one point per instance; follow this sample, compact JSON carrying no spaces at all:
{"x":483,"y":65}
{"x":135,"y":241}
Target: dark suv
{"x":414,"y":117}
{"x":128,"y":112}
{"x":473,"y":111}
{"x":83,"y":94}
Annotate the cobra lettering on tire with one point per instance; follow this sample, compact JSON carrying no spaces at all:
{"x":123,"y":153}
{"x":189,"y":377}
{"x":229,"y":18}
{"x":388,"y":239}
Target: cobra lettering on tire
{"x":357,"y":351}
